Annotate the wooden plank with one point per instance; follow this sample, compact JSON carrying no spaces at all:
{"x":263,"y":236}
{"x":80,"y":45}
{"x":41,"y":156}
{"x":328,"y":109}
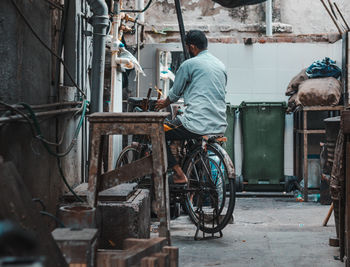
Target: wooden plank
{"x":133,"y":255}
{"x":311,"y":131}
{"x":126,"y":173}
{"x":149,"y":262}
{"x":173,"y":255}
{"x":120,"y":192}
{"x":108,"y":258}
{"x":322,"y":108}
{"x":145,"y":117}
{"x":347,"y":202}
{"x":163,"y":259}
{"x":17,"y":206}
{"x":161,"y":189}
{"x":96,"y":145}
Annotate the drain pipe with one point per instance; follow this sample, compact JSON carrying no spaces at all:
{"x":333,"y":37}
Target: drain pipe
{"x":100,"y":23}
{"x":269,"y":18}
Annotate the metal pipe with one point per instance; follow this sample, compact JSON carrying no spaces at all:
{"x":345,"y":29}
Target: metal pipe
{"x":333,"y":19}
{"x":52,"y":105}
{"x":269,"y":18}
{"x":141,"y":20}
{"x":341,"y":15}
{"x":40,"y":114}
{"x":100,"y":23}
{"x":181,"y":27}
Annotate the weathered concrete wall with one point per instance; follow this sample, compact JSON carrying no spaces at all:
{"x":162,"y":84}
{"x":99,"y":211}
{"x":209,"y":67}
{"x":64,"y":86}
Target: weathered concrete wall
{"x":289,"y":16}
{"x":310,"y":16}
{"x":25,"y":75}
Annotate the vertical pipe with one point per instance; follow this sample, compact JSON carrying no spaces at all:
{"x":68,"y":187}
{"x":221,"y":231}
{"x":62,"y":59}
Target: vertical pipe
{"x":140,"y":6}
{"x":116,"y":104}
{"x":269,"y":18}
{"x":100,"y":23}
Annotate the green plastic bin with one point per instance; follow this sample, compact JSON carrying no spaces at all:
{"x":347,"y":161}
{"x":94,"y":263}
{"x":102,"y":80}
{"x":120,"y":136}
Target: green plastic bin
{"x":230,"y":130}
{"x":262,"y":125}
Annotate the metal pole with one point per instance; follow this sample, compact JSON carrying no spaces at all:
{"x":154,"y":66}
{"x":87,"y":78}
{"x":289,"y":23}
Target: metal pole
{"x":181,"y":27}
{"x":269,"y":18}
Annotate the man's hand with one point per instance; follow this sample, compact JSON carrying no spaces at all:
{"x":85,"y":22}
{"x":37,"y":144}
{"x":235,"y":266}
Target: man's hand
{"x":162,"y":103}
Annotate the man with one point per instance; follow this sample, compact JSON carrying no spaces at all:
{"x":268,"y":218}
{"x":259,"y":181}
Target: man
{"x":201,"y":81}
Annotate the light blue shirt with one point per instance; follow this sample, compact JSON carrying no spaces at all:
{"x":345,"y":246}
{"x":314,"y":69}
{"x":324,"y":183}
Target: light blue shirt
{"x":201,"y":81}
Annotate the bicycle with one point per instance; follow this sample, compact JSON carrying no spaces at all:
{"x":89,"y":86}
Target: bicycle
{"x":209,"y":196}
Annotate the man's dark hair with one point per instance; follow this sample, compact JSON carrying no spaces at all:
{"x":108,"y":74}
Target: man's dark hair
{"x":197,"y":38}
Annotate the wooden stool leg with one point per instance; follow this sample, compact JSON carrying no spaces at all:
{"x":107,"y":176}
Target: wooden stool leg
{"x":160,"y":181}
{"x":95,"y":167}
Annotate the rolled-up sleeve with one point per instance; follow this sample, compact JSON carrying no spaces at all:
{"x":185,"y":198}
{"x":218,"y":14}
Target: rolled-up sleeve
{"x":182,"y":78}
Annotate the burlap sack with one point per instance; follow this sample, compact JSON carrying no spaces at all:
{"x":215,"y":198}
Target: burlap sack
{"x":291,"y":104}
{"x":319,"y":92}
{"x":295,"y":82}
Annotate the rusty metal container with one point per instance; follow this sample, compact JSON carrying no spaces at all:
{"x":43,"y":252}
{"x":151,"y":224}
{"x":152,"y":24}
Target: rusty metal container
{"x":78,"y":216}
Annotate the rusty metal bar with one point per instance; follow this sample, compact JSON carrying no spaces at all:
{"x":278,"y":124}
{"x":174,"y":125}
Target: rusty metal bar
{"x":330,"y":14}
{"x":341,"y":15}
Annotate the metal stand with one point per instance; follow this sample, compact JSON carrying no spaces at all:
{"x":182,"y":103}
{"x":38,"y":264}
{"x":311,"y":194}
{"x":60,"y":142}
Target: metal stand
{"x":201,"y":223}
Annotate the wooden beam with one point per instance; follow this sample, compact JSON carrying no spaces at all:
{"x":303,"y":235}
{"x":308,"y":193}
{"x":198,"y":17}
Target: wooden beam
{"x":126,"y":173}
{"x":347,"y":202}
{"x":133,"y":255}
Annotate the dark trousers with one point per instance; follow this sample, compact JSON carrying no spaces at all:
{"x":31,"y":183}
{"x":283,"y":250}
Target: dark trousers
{"x":174,"y":130}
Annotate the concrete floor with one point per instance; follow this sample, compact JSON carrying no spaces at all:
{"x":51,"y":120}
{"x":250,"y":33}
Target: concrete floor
{"x":266,"y":232}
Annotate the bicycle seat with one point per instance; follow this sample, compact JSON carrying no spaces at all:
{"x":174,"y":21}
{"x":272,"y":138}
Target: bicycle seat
{"x":215,"y":138}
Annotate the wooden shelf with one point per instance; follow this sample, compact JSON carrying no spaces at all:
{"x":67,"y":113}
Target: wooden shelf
{"x":301,"y":133}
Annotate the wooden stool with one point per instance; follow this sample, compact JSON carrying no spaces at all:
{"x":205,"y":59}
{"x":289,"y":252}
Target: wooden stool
{"x":139,"y":123}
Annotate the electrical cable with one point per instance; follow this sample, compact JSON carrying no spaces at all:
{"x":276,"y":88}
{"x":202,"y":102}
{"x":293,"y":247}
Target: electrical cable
{"x":22,"y":114}
{"x":40,"y":136}
{"x":59,"y":164}
{"x":44,"y":212}
{"x":61,"y":224}
{"x":36,"y":131}
{"x":137,"y":11}
{"x":48,"y":48}
{"x":65,"y":129}
{"x":40,"y":202}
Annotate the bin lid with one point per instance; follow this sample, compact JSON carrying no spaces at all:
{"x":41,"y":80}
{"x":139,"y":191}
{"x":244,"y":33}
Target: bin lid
{"x":263,"y":104}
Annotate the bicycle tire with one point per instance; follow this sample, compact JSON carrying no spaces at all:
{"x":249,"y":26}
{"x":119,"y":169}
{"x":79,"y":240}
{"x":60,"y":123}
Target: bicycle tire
{"x":210,"y":226}
{"x":124,"y":156}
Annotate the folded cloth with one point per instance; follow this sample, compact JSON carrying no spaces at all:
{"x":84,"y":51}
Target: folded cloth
{"x":323,"y":68}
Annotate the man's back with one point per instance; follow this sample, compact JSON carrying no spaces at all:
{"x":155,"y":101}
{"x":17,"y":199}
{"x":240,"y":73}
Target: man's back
{"x":203,"y":92}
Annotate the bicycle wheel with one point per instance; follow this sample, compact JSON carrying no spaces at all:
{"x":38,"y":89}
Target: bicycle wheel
{"x":127,"y":155}
{"x":211,"y":195}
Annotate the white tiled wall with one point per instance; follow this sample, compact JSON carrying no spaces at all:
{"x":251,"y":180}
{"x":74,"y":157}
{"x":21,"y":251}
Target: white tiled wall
{"x":258,"y":72}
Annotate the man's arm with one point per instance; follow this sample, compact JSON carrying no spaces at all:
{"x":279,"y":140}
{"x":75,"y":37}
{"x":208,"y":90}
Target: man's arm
{"x":162,"y":103}
{"x":181,"y":79}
